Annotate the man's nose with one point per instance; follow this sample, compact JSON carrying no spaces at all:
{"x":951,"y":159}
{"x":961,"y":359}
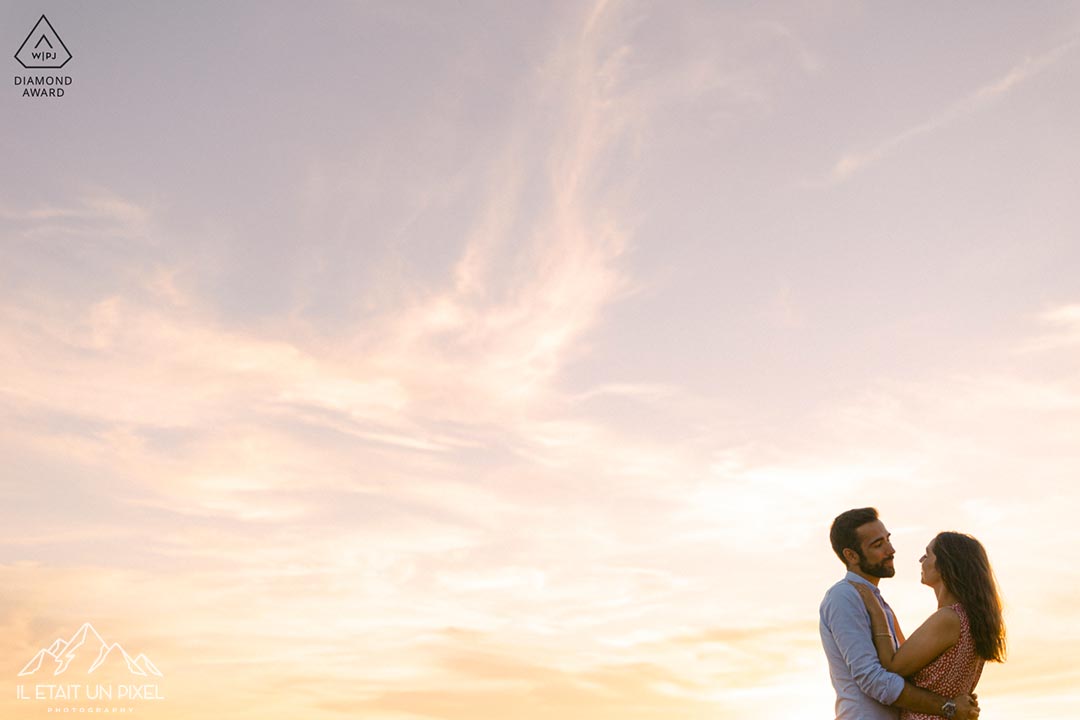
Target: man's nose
{"x":889,"y":548}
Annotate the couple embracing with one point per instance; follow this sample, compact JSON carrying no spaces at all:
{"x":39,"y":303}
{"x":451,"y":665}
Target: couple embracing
{"x":869,"y":656}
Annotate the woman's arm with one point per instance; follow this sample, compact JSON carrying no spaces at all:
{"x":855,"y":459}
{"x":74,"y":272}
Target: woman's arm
{"x":939,"y":633}
{"x":879,"y":626}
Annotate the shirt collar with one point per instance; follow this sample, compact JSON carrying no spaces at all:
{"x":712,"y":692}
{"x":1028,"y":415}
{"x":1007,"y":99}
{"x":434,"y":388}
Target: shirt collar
{"x":860,"y":579}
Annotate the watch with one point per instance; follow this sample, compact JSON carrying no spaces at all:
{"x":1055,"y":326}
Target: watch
{"x":948,"y":709}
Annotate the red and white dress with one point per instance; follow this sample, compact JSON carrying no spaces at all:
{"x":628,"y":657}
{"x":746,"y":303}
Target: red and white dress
{"x":954,"y":672}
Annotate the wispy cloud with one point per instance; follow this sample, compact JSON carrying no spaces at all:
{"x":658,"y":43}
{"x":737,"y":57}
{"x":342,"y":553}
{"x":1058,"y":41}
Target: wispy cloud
{"x":1063,"y":330}
{"x":854,"y":162}
{"x":423,"y":378}
{"x":97,"y":206}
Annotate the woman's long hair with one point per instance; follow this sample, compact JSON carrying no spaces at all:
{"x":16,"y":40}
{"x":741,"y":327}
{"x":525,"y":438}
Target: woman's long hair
{"x":966,"y":571}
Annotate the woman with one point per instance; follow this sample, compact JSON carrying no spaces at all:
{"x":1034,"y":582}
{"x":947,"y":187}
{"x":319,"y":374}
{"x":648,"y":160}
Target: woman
{"x":947,"y":652}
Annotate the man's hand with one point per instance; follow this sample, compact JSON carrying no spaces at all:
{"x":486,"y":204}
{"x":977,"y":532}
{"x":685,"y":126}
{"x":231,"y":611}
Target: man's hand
{"x":967,"y":707}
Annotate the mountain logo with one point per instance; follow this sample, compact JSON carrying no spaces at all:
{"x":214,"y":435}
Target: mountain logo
{"x":43,"y":48}
{"x":88,"y":651}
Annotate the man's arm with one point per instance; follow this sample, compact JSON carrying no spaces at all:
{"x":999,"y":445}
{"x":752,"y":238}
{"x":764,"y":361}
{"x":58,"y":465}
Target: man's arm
{"x":919,"y":700}
{"x":845,"y":616}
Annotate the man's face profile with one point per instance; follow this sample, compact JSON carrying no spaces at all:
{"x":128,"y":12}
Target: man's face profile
{"x":875,"y":550}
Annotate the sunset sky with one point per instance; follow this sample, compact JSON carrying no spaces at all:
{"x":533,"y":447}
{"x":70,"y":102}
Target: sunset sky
{"x":510,"y":360}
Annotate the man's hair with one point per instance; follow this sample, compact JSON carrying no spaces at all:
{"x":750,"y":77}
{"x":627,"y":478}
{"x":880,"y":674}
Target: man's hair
{"x":842,"y":533}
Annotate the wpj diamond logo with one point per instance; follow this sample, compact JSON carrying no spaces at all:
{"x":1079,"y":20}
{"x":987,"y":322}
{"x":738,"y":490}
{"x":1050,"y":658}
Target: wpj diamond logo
{"x":91,"y":667}
{"x":43,"y":48}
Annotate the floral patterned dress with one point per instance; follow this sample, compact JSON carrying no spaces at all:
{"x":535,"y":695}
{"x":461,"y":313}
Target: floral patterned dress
{"x":955,"y":672}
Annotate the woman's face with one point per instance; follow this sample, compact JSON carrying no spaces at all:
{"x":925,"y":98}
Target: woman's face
{"x":930,"y":574}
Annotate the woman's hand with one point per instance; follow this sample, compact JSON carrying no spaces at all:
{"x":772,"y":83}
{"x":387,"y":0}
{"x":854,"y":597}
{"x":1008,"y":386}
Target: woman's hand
{"x":867,"y":595}
{"x":878,"y":621}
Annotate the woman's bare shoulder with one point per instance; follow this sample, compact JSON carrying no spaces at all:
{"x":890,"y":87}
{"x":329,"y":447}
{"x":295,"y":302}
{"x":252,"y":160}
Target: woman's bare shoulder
{"x":944,"y":620}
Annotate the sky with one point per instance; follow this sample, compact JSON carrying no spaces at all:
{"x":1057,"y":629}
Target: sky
{"x":476,"y":360}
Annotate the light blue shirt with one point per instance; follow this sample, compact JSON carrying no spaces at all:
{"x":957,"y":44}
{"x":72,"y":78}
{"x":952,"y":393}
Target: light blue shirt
{"x":864,"y":689}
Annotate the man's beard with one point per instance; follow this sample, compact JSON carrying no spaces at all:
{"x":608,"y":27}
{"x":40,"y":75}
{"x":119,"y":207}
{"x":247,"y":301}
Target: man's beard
{"x":880,"y":570}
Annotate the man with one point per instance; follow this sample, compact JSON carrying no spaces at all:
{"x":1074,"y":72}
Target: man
{"x":864,"y":689}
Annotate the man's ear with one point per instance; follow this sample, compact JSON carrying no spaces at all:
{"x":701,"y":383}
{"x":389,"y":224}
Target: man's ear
{"x":851,"y":557}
